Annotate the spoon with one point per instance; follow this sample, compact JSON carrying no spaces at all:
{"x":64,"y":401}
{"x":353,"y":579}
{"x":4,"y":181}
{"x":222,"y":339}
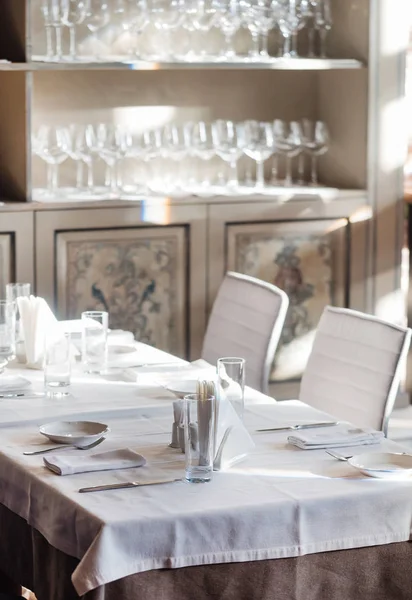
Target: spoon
{"x":92,"y":445}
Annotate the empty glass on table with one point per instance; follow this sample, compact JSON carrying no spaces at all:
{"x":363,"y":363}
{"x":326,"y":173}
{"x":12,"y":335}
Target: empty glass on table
{"x":13,"y":292}
{"x":7,"y":330}
{"x":198,"y":418}
{"x":231,"y":381}
{"x":57,"y":362}
{"x":94,"y":341}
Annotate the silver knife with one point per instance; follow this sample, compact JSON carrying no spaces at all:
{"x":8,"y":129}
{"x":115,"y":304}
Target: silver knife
{"x":22,"y":394}
{"x":126,"y":484}
{"x":303,"y":426}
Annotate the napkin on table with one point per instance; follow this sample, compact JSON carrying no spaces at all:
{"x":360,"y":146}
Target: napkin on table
{"x":36,"y":318}
{"x":69,"y":464}
{"x":337,"y":436}
{"x":12,"y":383}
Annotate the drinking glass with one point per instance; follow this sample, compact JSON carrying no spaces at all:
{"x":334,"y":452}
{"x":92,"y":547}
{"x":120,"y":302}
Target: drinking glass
{"x":110,"y":147}
{"x":259,"y":146}
{"x":98,"y":16}
{"x":166,"y":16}
{"x":259,"y":16}
{"x":323,"y":23}
{"x":203,"y":148}
{"x":94,"y":341}
{"x":293,"y":16}
{"x":14,"y":291}
{"x":57,"y":362}
{"x":227,"y":140}
{"x":52,"y":15}
{"x":52,"y":144}
{"x":231,"y":375}
{"x":315,"y":141}
{"x":7,"y":330}
{"x":74,"y":13}
{"x":198,"y":417}
{"x":229,"y":20}
{"x":200,"y":16}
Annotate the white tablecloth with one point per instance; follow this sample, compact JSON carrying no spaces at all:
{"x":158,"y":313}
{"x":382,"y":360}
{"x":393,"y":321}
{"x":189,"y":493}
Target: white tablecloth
{"x":280,"y":502}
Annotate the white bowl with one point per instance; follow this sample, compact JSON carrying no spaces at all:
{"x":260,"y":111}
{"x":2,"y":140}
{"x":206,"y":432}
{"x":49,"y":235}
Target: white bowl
{"x":383,"y":465}
{"x":183,"y":388}
{"x":78,"y":433}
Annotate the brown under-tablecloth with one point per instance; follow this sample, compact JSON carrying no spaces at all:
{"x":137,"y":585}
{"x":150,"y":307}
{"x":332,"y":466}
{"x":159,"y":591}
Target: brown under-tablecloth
{"x":375,"y":573}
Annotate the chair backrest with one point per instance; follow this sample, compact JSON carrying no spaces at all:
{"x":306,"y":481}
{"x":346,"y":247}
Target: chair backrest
{"x":355,"y":366}
{"x":246,"y":321}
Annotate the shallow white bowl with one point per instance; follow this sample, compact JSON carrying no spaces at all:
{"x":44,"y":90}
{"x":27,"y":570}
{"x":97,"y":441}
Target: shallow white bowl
{"x":78,"y":433}
{"x":182,"y":388}
{"x":383,"y":465}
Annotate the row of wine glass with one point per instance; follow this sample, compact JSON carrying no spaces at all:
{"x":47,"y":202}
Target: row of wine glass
{"x":106,"y":21}
{"x":192,"y":158}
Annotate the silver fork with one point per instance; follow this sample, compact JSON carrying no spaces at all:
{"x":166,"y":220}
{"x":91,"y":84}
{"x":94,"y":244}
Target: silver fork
{"x":64,"y":446}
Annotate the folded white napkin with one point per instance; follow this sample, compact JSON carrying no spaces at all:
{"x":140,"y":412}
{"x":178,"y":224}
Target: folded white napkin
{"x":69,"y":464}
{"x":36,"y":318}
{"x":337,"y":436}
{"x":11,"y":383}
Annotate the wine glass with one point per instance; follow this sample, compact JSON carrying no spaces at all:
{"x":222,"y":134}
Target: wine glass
{"x":52,"y":15}
{"x":203,"y":147}
{"x":323,"y":23}
{"x":98,"y":16}
{"x":293,"y":16}
{"x":258,"y":146}
{"x":259,"y":16}
{"x":229,"y":20}
{"x":74,"y":13}
{"x":315,"y":141}
{"x":108,"y":143}
{"x":167,"y":16}
{"x":174,"y":147}
{"x":52,"y":144}
{"x":81,"y":152}
{"x":200,"y":16}
{"x":134,"y":17}
{"x":228,"y":144}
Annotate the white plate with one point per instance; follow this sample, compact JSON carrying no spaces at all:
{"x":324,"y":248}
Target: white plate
{"x":183,"y":388}
{"x":13,"y":383}
{"x":78,"y":433}
{"x":116,"y":350}
{"x":383,"y":465}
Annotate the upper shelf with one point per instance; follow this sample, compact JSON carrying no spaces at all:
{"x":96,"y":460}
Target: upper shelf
{"x":276,"y":64}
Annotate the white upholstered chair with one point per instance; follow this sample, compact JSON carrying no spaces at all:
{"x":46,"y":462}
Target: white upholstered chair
{"x":355,"y":366}
{"x":246,"y":321}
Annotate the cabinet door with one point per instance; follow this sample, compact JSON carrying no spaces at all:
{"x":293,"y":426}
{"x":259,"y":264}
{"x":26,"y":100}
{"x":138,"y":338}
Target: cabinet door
{"x":307,"y":257}
{"x":5,"y":261}
{"x":147,"y":267}
{"x":138,"y":275}
{"x":16,"y":247}
{"x":308,"y":261}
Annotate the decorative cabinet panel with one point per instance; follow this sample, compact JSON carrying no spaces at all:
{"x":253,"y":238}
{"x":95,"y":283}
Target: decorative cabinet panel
{"x":304,"y":249}
{"x":16,"y":247}
{"x":5,"y":261}
{"x":305,"y":259}
{"x":138,"y":275}
{"x":145,"y":264}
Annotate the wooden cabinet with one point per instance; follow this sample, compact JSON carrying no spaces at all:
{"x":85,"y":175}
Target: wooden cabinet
{"x":146,"y":266}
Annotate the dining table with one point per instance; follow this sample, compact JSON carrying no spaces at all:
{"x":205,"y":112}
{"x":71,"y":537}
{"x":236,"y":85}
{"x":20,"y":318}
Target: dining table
{"x":283,"y":523}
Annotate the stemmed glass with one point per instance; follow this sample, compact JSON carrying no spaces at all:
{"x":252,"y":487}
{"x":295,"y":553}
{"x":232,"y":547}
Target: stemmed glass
{"x":98,"y":16}
{"x":175,"y":147}
{"x":259,"y":146}
{"x":228,"y":143}
{"x":323,"y":23}
{"x":52,"y":144}
{"x":229,"y":20}
{"x":315,"y":141}
{"x":134,"y":17}
{"x":293,"y":16}
{"x":289,"y":142}
{"x":259,"y":16}
{"x":73,"y":14}
{"x":52,"y":15}
{"x":109,"y":144}
{"x":81,"y":152}
{"x":200,"y":16}
{"x":166,"y":16}
{"x":203,"y":147}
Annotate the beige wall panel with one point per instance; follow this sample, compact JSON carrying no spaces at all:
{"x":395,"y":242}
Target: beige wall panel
{"x":127,"y":225}
{"x":6,"y":261}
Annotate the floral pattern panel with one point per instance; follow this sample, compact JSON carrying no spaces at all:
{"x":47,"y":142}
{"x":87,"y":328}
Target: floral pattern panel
{"x":138,"y":275}
{"x":308,"y":261}
{"x":5,"y":262}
